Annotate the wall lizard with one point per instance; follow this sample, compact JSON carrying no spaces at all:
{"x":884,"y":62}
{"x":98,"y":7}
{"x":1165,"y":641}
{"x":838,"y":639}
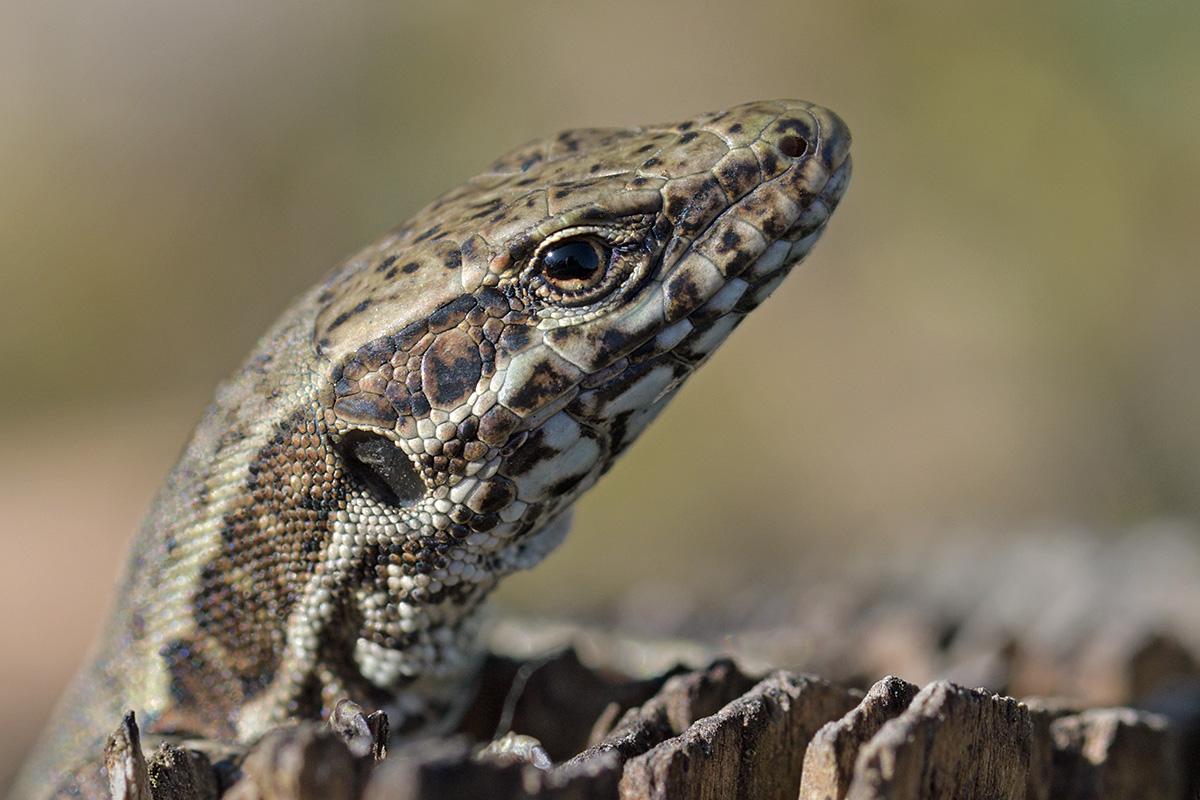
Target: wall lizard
{"x":419,"y":424}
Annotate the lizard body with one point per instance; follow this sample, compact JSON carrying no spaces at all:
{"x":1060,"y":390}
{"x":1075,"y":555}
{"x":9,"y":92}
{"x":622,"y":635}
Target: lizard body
{"x":419,"y":424}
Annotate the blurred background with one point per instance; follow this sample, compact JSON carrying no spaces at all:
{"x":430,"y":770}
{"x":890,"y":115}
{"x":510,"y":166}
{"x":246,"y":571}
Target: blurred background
{"x":1000,"y":328}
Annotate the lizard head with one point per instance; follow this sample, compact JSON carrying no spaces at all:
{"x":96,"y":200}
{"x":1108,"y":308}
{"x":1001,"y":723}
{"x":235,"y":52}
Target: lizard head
{"x":493,"y":356}
{"x":500,"y":349}
{"x":482,"y":365}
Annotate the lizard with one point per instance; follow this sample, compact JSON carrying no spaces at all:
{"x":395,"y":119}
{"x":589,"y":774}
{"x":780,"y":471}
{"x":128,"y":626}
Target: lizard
{"x":419,"y":424}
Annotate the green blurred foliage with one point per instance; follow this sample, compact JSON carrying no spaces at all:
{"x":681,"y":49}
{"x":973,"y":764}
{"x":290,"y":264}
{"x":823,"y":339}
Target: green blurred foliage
{"x":1001,"y":324}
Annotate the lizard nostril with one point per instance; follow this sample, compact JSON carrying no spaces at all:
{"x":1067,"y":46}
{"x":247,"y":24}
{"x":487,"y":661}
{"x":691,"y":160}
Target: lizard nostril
{"x":793,"y":146}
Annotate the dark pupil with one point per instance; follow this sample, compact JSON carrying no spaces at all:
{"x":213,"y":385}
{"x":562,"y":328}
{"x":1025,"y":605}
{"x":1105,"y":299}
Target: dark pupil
{"x":572,"y":261}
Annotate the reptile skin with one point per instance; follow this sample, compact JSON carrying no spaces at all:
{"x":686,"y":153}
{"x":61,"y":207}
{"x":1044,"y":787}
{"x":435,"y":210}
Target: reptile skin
{"x":419,"y":424}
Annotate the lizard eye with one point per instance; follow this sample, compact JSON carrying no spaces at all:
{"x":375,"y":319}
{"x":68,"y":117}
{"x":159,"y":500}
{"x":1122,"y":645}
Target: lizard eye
{"x":384,"y":468}
{"x":576,"y":271}
{"x":575,"y":265}
{"x":582,"y":269}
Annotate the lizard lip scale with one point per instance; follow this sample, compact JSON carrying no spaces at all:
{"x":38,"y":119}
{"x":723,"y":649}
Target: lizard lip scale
{"x":419,"y":424}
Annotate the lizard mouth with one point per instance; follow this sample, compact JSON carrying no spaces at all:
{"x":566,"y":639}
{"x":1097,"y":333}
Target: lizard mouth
{"x":807,"y":229}
{"x":821,"y":207}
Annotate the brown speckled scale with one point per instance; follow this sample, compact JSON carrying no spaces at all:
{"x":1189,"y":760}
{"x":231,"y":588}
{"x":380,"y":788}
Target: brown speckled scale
{"x":419,"y":424}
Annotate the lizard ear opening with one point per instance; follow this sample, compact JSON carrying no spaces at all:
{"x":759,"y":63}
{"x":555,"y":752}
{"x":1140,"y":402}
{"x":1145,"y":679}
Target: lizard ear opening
{"x":383,"y":468}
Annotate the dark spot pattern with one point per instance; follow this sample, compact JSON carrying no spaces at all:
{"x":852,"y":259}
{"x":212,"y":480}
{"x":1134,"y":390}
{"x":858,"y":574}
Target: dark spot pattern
{"x":366,"y":409}
{"x":739,"y":172}
{"x":196,"y":710}
{"x":428,"y":233}
{"x":272,"y":541}
{"x":450,"y":370}
{"x":693,"y":203}
{"x":492,"y":496}
{"x":546,"y":381}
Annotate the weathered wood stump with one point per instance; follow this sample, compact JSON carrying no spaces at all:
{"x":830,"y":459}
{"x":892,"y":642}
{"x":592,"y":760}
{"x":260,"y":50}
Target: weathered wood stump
{"x":1036,"y":620}
{"x":708,"y":733}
